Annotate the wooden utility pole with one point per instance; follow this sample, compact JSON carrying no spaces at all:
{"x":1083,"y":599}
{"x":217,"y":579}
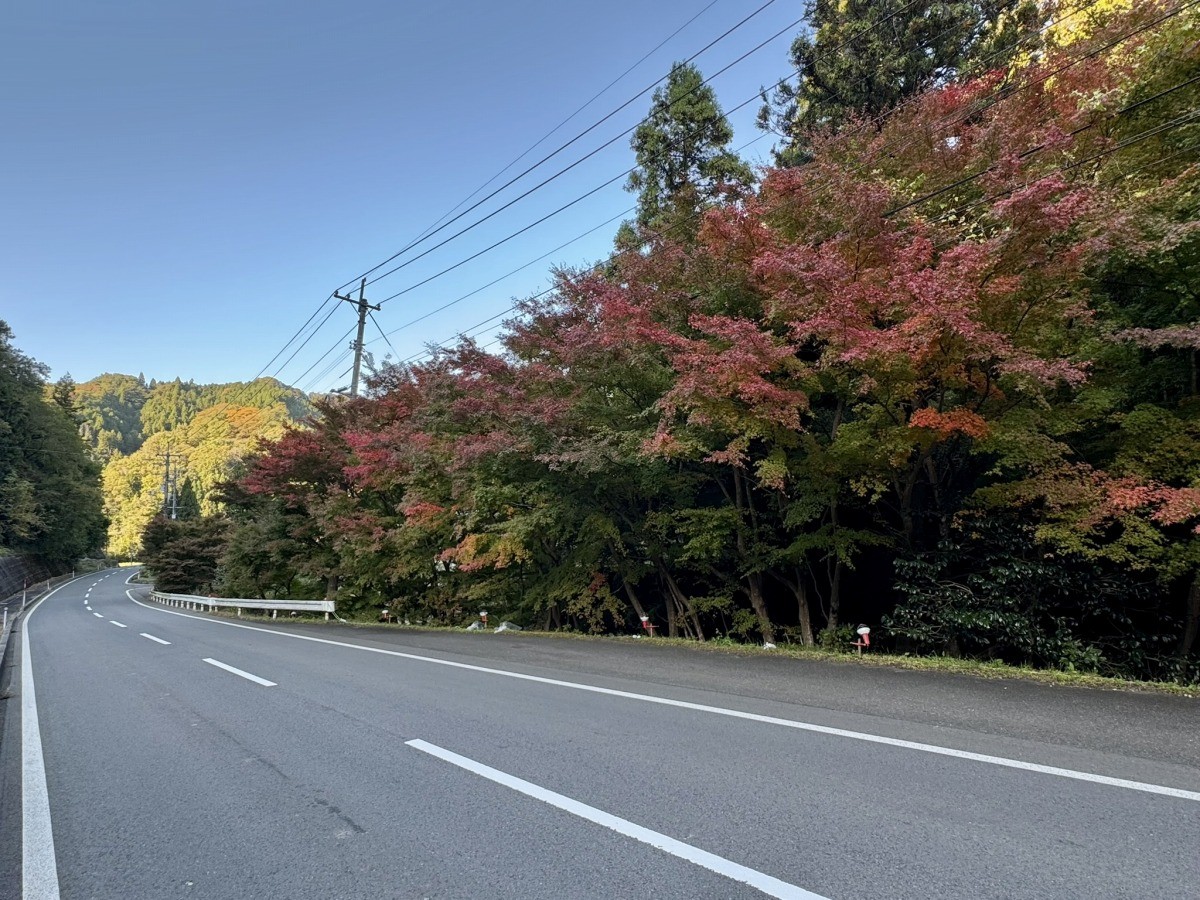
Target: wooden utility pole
{"x":363,"y":308}
{"x":167,"y":482}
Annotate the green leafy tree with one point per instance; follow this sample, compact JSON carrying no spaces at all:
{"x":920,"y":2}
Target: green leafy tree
{"x":184,"y":556}
{"x":863,"y":57}
{"x":49,"y":486}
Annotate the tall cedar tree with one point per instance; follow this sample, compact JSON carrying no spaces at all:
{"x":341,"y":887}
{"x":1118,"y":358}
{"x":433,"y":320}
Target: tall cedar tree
{"x":684,"y":164}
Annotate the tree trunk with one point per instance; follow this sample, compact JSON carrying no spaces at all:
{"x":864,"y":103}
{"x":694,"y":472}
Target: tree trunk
{"x":672,"y":625}
{"x":685,"y":606}
{"x":804,"y":612}
{"x":943,"y":515}
{"x":1191,"y":622}
{"x":835,"y":595}
{"x":633,"y":599}
{"x":759,"y":605}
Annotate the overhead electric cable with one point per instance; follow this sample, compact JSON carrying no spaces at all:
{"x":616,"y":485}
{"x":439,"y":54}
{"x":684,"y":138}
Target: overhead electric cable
{"x":606,"y":261}
{"x":326,"y":354}
{"x":520,"y":268}
{"x":753,"y":98}
{"x":596,"y":96}
{"x":577,"y":137}
{"x":1124,"y":37}
{"x":1006,"y":91}
{"x":1174,"y":123}
{"x":375,"y":322}
{"x":762,"y":93}
{"x":299,"y":331}
{"x":304,"y":343}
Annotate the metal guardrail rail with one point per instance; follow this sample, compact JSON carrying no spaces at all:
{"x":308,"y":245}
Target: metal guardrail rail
{"x":192,"y":601}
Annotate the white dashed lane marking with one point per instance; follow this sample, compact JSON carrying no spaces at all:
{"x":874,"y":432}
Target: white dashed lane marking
{"x":239,"y":672}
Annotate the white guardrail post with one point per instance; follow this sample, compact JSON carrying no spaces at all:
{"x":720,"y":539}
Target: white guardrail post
{"x":194,"y":602}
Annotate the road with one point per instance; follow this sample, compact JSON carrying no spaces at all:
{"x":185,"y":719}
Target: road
{"x":186,"y":756}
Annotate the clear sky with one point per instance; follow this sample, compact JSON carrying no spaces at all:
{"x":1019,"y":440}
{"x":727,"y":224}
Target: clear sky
{"x":182,"y":183}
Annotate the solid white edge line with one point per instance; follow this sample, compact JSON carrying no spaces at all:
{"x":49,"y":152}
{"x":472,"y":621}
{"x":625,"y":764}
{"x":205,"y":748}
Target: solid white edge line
{"x":118,"y":624}
{"x":1109,"y":781}
{"x":156,"y":640}
{"x":760,"y":881}
{"x":236,"y":671}
{"x":39,"y":864}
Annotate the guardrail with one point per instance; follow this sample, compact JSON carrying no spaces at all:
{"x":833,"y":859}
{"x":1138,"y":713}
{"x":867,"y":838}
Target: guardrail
{"x":192,"y":601}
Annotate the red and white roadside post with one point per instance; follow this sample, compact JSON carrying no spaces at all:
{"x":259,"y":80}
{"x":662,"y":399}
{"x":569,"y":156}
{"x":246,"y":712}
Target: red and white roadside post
{"x":483,"y":617}
{"x":864,"y":638}
{"x":647,"y":625}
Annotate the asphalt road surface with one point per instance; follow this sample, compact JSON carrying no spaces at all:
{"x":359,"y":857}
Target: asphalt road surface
{"x":154,"y":753}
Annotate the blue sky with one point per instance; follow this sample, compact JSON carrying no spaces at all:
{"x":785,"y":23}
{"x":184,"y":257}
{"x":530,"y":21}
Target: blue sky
{"x":183,"y":183}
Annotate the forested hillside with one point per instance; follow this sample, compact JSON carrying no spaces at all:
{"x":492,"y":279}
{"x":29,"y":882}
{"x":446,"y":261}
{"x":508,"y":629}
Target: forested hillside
{"x":49,"y":485}
{"x":206,"y":430}
{"x":935,"y":371}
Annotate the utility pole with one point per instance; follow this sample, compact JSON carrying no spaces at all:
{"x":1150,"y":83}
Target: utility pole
{"x":167,"y":483}
{"x":363,"y":308}
{"x":170,"y":485}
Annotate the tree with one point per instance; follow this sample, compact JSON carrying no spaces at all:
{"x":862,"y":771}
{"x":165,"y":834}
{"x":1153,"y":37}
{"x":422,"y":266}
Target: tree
{"x":63,"y":393}
{"x":49,"y":490}
{"x":683,"y":161}
{"x":860,"y":58}
{"x":184,"y":556}
{"x":940,"y":378}
{"x":188,"y":504}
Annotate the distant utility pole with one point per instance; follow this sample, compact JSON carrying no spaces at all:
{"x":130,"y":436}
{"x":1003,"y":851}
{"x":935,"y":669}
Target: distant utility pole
{"x":170,"y":504}
{"x":167,"y":482}
{"x":363,"y":308}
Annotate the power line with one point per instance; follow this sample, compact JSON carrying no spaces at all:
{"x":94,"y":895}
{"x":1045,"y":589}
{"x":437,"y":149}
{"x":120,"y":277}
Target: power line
{"x":325,"y":354}
{"x":1121,"y":39}
{"x":375,"y":322}
{"x":1159,"y":129}
{"x":324,"y":373}
{"x":569,"y":143}
{"x":564,"y":171}
{"x":999,"y":95}
{"x":299,"y":331}
{"x":978,"y":63}
{"x":330,"y":366}
{"x":493,"y":246}
{"x":304,"y":343}
{"x":580,"y":109}
{"x":608,"y":260}
{"x":520,"y":268}
{"x":429,"y":232}
{"x":753,"y":98}
{"x":1177,"y":122}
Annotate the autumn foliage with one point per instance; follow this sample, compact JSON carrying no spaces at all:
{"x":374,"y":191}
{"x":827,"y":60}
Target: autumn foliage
{"x":913,"y":382}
